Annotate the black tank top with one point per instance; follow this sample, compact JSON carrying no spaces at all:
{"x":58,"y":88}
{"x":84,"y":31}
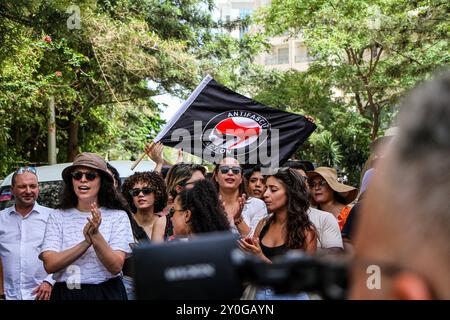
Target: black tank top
{"x":270,"y":252}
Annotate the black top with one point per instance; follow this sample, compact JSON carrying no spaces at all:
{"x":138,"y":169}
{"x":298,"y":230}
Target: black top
{"x":349,"y":226}
{"x":168,"y":231}
{"x":270,"y":252}
{"x":140,"y":236}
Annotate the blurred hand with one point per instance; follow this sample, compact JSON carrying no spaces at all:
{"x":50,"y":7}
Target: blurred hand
{"x":95,"y":221}
{"x":154,"y":152}
{"x":250,"y":245}
{"x":86,"y":228}
{"x":310,"y":119}
{"x":180,"y":156}
{"x":43,"y":291}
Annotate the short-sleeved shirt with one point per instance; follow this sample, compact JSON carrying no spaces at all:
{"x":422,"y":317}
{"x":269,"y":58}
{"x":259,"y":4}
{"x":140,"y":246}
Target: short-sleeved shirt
{"x":21,"y":239}
{"x":65,"y":230}
{"x":254,"y":210}
{"x":329,"y":233}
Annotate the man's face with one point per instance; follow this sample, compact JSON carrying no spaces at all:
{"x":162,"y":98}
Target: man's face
{"x":25,"y":189}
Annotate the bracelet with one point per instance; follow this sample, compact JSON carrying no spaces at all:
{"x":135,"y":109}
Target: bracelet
{"x":238,"y":221}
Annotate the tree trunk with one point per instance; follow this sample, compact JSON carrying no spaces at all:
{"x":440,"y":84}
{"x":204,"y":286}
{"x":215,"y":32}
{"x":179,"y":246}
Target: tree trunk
{"x":74,"y":127}
{"x":375,"y":125}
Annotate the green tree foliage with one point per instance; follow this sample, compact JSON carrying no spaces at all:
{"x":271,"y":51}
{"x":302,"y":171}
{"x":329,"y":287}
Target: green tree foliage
{"x":98,"y":73}
{"x":372,"y":51}
{"x":341,"y":137}
{"x":367,"y":54}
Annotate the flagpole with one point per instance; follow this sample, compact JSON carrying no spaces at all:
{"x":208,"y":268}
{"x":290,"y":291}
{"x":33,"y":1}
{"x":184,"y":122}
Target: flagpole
{"x":179,"y":112}
{"x":183,"y":107}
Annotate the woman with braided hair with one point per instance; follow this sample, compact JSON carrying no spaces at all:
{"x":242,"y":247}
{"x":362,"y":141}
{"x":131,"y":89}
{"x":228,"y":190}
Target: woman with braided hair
{"x":181,"y":176}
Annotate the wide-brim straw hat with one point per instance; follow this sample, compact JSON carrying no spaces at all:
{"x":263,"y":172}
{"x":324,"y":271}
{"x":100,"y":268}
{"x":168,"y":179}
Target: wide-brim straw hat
{"x":90,"y":160}
{"x":347,"y":192}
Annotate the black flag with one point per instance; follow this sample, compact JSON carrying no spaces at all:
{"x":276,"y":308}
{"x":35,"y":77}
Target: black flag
{"x":215,"y":122}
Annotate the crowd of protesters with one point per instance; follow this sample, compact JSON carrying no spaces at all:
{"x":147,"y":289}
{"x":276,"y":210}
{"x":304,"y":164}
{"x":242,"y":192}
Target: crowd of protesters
{"x":81,"y":250}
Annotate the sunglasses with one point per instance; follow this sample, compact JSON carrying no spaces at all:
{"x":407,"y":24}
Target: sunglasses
{"x":226,"y":169}
{"x":320,"y":184}
{"x":173,"y":210}
{"x":22,"y":170}
{"x":145,"y":191}
{"x":78,"y":175}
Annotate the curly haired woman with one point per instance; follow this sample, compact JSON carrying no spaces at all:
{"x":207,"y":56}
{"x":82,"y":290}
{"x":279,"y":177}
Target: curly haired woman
{"x":146,"y":195}
{"x":198,"y":210}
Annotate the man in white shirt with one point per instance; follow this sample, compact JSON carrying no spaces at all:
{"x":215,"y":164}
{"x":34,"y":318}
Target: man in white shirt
{"x":22,"y":229}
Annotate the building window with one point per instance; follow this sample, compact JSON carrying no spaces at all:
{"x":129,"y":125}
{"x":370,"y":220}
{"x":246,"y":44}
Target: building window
{"x":283,"y":55}
{"x":280,"y":55}
{"x":302,"y":54}
{"x":244,"y":13}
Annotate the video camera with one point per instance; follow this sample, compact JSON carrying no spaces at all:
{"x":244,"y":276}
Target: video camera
{"x":211,"y":267}
{"x":295,"y":272}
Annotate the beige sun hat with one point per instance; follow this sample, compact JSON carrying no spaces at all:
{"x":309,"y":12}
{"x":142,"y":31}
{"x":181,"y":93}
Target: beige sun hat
{"x":349,"y":193}
{"x":90,"y":160}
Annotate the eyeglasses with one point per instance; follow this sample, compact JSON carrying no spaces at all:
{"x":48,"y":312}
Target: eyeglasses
{"x":22,"y":170}
{"x":319,"y":184}
{"x":173,"y":210}
{"x":145,"y":191}
{"x":226,"y":169}
{"x":78,"y":175}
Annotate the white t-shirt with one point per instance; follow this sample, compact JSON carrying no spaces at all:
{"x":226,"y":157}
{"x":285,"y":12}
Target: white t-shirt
{"x":254,"y":210}
{"x":329,"y":234}
{"x":65,"y":230}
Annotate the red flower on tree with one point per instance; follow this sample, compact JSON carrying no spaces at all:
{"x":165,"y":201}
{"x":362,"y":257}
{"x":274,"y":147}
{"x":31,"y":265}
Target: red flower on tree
{"x":48,"y":39}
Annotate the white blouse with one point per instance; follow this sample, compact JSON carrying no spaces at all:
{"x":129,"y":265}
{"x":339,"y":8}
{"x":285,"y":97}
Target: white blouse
{"x":254,"y":210}
{"x":65,"y":230}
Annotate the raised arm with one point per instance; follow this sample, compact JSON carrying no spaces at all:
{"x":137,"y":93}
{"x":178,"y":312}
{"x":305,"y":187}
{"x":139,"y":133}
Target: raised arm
{"x":155,"y":152}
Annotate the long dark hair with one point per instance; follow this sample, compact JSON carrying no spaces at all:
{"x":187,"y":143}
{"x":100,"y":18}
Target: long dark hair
{"x":207,"y":212}
{"x":108,"y":196}
{"x":298,"y":222}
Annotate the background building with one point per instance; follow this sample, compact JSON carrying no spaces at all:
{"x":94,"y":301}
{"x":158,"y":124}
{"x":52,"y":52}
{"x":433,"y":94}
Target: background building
{"x":286,"y":53}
